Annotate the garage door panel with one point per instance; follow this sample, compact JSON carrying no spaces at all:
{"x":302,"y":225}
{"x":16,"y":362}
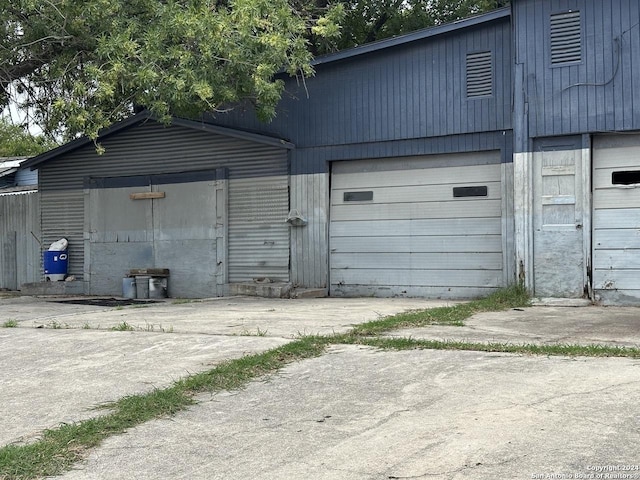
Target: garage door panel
{"x":410,"y":291}
{"x":452,"y":226}
{"x":617,"y":218}
{"x":617,"y":198}
{"x":616,"y":239}
{"x":618,"y":259}
{"x":618,"y":280}
{"x":425,"y":278}
{"x":407,"y":211}
{"x":618,"y":158}
{"x":425,"y":176}
{"x":440,"y":244}
{"x":424,"y":193}
{"x":602,"y":177}
{"x":421,"y":261}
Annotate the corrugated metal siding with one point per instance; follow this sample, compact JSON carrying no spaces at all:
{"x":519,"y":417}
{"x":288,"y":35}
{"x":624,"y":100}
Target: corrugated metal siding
{"x":412,"y":91}
{"x":258,"y":235}
{"x":63,"y":217}
{"x":20,"y":254}
{"x":601,"y":92}
{"x":148,"y":148}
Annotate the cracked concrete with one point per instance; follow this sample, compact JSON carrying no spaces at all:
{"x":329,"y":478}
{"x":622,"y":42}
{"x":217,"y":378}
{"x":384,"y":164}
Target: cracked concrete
{"x":384,"y":416}
{"x":354,"y":413}
{"x":616,"y":326}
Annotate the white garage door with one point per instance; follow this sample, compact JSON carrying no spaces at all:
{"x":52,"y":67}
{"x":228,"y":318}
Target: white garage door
{"x":616,"y":219}
{"x":419,"y":226}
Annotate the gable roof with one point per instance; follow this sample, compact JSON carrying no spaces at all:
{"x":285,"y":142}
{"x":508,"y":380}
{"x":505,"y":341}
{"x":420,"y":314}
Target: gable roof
{"x":491,"y":16}
{"x":144,"y":116}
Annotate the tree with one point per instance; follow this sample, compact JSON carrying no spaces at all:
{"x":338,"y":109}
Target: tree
{"x":79,"y":65}
{"x":16,"y":142}
{"x":76,"y":66}
{"x":370,"y":20}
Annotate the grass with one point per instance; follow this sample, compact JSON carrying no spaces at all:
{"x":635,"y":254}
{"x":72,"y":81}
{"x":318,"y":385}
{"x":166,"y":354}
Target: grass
{"x":181,"y":301}
{"x":10,"y":323}
{"x":60,"y":447}
{"x":566,"y":350}
{"x":123,"y":327}
{"x":455,"y":315}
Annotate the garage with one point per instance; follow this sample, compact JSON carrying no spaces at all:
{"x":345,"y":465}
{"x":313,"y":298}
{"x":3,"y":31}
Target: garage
{"x":417,"y":226}
{"x":616,"y":218}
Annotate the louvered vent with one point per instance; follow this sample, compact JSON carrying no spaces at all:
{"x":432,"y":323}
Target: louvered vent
{"x":566,"y":38}
{"x":479,"y":75}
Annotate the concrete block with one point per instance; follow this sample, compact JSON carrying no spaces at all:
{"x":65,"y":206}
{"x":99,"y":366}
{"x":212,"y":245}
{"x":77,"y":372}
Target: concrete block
{"x":310,"y":293}
{"x":264,"y":290}
{"x":53,"y":288}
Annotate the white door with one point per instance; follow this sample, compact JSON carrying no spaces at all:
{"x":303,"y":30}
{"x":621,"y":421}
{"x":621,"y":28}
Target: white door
{"x":419,"y":226}
{"x":616,"y":218}
{"x":560,"y":241}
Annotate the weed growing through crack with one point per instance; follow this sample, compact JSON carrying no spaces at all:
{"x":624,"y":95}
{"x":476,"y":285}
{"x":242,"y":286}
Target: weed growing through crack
{"x":150,"y":327}
{"x":122,"y":327}
{"x":455,"y":315}
{"x":11,"y":323}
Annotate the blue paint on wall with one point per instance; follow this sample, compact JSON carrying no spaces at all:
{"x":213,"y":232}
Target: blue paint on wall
{"x":599,"y":94}
{"x":409,"y":99}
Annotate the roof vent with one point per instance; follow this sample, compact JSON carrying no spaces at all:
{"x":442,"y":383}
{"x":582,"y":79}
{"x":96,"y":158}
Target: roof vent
{"x":479,"y":75}
{"x":566,"y":38}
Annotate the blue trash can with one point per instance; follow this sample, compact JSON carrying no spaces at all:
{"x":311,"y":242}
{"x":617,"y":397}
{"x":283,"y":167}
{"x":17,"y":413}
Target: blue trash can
{"x":55,"y":264}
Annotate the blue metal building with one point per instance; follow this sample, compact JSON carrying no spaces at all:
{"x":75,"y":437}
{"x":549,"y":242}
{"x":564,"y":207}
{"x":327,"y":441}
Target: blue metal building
{"x":445,"y":163}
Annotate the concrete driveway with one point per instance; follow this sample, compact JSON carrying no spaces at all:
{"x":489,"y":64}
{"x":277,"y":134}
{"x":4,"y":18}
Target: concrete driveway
{"x":354,"y":412}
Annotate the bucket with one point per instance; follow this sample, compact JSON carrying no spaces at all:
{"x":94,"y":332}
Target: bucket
{"x":157,"y":287}
{"x":129,"y":287}
{"x":55,"y":265}
{"x":142,"y":287}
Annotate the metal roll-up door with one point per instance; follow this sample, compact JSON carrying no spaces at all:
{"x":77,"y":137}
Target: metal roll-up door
{"x":258,"y":234}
